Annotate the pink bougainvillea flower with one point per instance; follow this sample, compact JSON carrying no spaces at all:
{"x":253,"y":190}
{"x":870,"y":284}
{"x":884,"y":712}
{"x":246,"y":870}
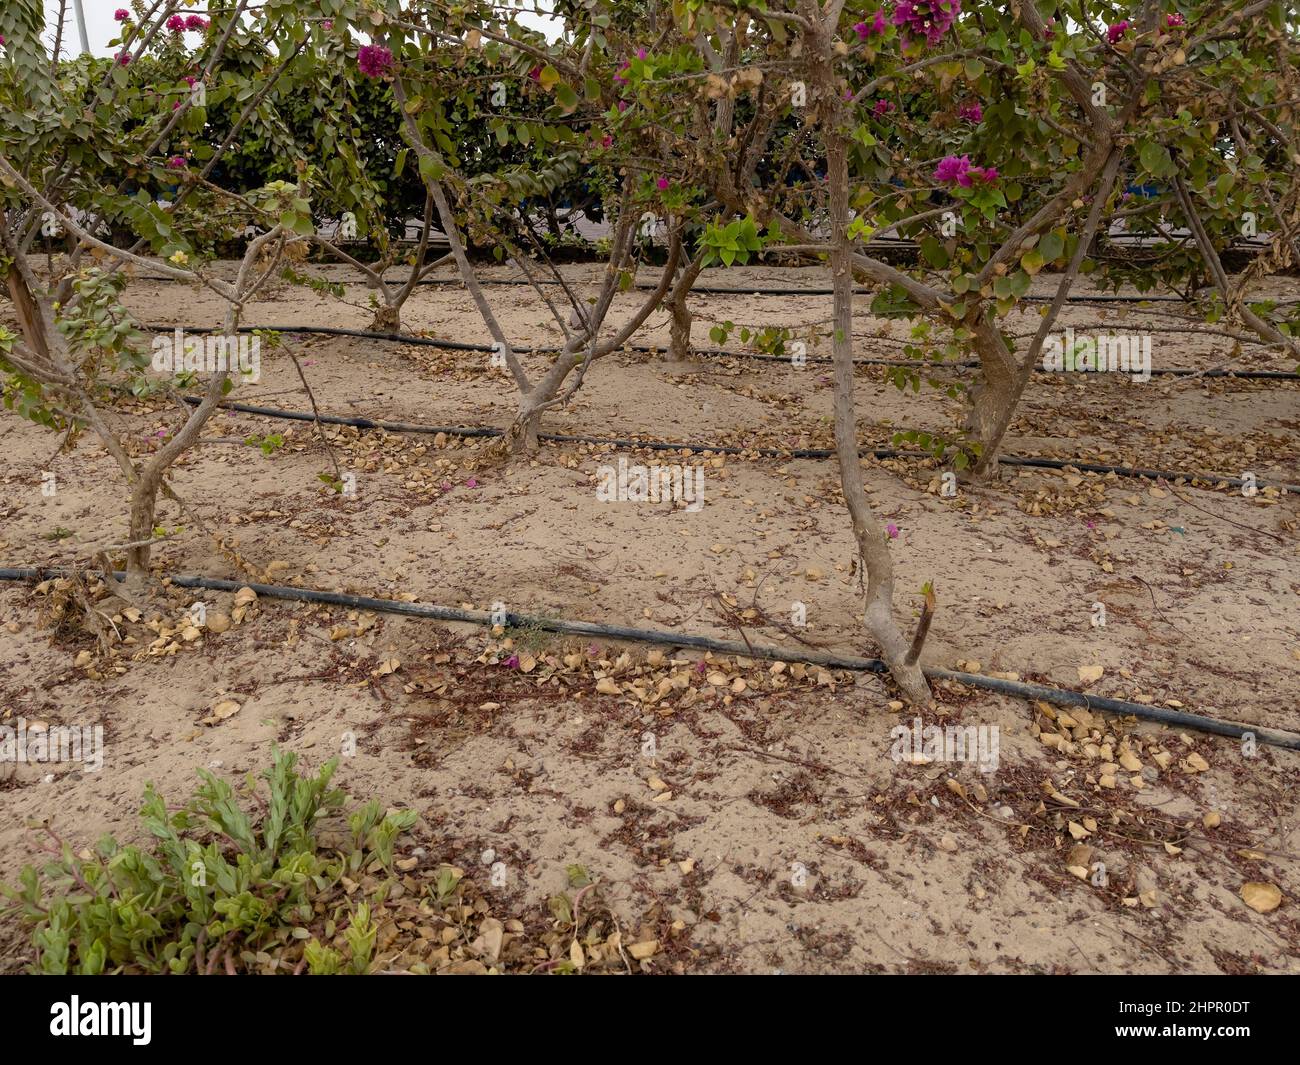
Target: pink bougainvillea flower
{"x":701,"y":668}
{"x":930,"y":19}
{"x":189,"y":80}
{"x":197,"y":23}
{"x":958,"y":169}
{"x":953,"y":168}
{"x":1176,"y":19}
{"x":892,"y":530}
{"x":1116,"y":31}
{"x":121,"y":14}
{"x":512,"y":662}
{"x":328,"y":24}
{"x":972,"y":113}
{"x":374,"y":60}
{"x":640,"y":53}
{"x":471,"y":483}
{"x":607,"y":141}
{"x":882,"y":108}
{"x":535,"y":74}
{"x":176,"y":24}
{"x":123,"y":58}
{"x":663,"y":184}
{"x":176,"y":105}
{"x":177,"y":162}
{"x":875,"y":28}
{"x":622,"y":106}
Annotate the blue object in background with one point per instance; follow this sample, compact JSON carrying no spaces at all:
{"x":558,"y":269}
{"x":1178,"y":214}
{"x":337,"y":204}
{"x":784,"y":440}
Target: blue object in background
{"x":1147,"y":192}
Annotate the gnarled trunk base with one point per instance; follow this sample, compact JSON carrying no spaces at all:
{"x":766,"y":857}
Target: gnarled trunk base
{"x":144,"y":503}
{"x":893,"y":649}
{"x":387,"y":320}
{"x":520,"y":437}
{"x":680,"y":330}
{"x":987,"y":416}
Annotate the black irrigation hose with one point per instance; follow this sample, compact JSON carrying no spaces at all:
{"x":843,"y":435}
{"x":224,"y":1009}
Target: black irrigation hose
{"x":778,"y":290}
{"x":460,"y":345}
{"x":720,"y":449}
{"x":1055,"y":696}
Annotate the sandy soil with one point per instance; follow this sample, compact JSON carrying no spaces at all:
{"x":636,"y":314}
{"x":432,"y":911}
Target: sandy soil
{"x":772,"y":829}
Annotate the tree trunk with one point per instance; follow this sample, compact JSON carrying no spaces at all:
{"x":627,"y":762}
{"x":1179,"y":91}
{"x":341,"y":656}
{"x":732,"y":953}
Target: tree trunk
{"x":994,"y":401}
{"x":144,"y":491}
{"x":680,"y":331}
{"x":521,"y":434}
{"x":30,"y":319}
{"x":873,"y":546}
{"x":388,"y":319}
{"x":144,"y":502}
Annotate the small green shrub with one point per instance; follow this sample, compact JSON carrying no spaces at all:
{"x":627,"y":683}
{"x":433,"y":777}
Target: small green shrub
{"x":237,"y":881}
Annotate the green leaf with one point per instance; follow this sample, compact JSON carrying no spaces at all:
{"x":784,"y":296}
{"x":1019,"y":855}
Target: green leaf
{"x":566,"y":98}
{"x":934,"y":252}
{"x":1155,"y":159}
{"x":431,"y":169}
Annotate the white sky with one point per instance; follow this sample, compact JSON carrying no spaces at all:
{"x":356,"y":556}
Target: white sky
{"x":101,"y":28}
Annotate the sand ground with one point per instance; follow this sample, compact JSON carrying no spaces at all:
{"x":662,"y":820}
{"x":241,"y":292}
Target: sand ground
{"x":752,"y":816}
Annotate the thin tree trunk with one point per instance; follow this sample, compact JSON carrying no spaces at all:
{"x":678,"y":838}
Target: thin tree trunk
{"x":388,"y":318}
{"x":873,"y":545}
{"x":521,"y":435}
{"x":680,"y":329}
{"x":29,"y":314}
{"x":144,"y":492}
{"x":998,"y":396}
{"x":1219,"y":277}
